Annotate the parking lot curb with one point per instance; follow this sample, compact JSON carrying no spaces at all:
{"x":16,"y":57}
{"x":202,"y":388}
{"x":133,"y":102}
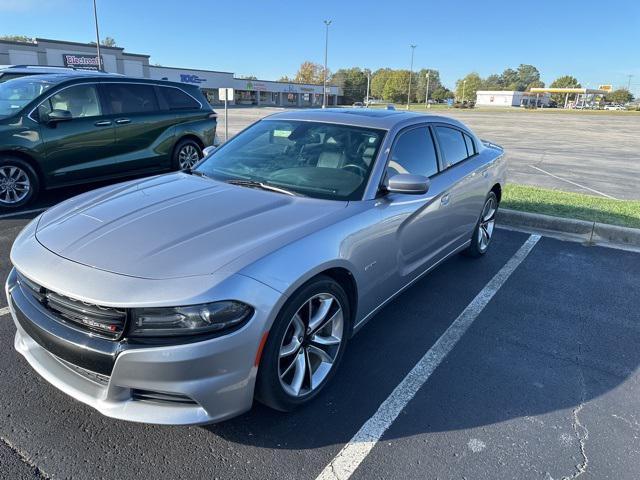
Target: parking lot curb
{"x":593,"y":233}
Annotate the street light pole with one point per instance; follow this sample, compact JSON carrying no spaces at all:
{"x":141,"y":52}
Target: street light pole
{"x":326,"y":48}
{"x":464,"y":84}
{"x":629,"y":82}
{"x":413,"y":48}
{"x":368,"y":83}
{"x":95,"y":17}
{"x":426,"y":95}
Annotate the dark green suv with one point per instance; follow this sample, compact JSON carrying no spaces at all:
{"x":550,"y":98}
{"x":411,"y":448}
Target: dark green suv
{"x":65,"y":129}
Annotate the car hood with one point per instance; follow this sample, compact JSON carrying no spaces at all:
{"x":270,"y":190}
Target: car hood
{"x":177,"y":225}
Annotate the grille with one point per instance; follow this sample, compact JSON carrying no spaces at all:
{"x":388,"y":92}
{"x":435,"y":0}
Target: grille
{"x":88,"y":374}
{"x":159,"y":397}
{"x":105,"y":321}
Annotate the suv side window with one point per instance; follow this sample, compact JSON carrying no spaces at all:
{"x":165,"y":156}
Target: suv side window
{"x":124,"y":98}
{"x":413,"y":152}
{"x":178,"y":100}
{"x":452,"y":145}
{"x":81,"y":100}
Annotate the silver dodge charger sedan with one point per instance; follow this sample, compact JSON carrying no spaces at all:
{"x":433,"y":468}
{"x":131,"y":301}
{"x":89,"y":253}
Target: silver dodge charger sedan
{"x":178,"y":299}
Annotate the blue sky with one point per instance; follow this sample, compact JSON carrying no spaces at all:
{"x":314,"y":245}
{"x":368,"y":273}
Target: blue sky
{"x":595,"y":41}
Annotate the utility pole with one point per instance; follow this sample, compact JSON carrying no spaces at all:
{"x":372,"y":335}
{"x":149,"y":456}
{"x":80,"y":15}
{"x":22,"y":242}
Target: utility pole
{"x":368,"y":83}
{"x":326,"y":48}
{"x":629,"y":82}
{"x":426,"y":95}
{"x":95,"y":17}
{"x":464,"y":84}
{"x":413,"y":48}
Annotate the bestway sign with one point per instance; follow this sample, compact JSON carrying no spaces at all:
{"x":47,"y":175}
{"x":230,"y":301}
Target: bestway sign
{"x":191,"y":78}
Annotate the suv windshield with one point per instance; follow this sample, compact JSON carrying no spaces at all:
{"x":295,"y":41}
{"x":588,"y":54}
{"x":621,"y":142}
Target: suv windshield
{"x":321,"y":160}
{"x":16,"y":93}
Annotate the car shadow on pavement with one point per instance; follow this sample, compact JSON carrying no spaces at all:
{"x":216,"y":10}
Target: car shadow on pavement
{"x":549,"y":341}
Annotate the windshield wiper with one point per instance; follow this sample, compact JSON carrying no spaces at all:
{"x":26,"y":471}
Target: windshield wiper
{"x":263,"y":186}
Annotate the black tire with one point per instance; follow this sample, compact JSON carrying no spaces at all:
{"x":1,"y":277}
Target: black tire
{"x":13,"y":171}
{"x":477,"y":248}
{"x":183,"y":146}
{"x":269,"y":388}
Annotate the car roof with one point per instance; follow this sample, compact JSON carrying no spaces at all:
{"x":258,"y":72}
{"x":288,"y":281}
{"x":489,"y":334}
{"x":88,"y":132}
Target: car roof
{"x":58,"y":78}
{"x":41,"y":69}
{"x":362,"y":117}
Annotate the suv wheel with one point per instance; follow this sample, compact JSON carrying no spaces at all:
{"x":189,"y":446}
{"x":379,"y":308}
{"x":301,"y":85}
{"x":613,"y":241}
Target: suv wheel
{"x":483,"y":232}
{"x":305,"y":345}
{"x":18,"y":182}
{"x":186,"y":154}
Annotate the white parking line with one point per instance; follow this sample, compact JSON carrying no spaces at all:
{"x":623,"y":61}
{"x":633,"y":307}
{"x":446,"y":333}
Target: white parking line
{"x":4,"y":311}
{"x":354,"y":452}
{"x":573,"y":183}
{"x":23,"y":212}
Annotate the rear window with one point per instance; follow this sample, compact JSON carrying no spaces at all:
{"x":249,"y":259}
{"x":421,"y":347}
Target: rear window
{"x":178,"y":100}
{"x":130,"y":98}
{"x":471,"y":148}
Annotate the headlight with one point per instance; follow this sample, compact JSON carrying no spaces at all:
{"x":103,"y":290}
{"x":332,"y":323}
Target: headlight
{"x":191,"y":320}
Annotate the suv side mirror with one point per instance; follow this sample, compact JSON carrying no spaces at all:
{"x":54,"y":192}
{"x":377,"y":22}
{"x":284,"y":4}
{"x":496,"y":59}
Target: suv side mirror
{"x":55,"y":116}
{"x":206,"y":151}
{"x":407,"y":183}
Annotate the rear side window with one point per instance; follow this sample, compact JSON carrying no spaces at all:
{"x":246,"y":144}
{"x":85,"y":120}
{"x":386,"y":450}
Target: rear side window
{"x":80,"y":100}
{"x":125,"y":98}
{"x":178,"y":100}
{"x":415,"y":153}
{"x":471,"y":148}
{"x":452,"y":145}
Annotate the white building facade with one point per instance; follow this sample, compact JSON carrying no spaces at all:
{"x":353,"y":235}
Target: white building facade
{"x":59,"y":53}
{"x":510,"y":98}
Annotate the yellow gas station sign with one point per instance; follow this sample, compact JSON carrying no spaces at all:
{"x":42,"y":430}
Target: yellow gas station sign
{"x":606,"y":88}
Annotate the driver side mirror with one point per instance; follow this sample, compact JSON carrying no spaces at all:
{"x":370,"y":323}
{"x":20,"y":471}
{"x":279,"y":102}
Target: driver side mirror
{"x":407,"y":183}
{"x":206,"y":151}
{"x":55,"y":116}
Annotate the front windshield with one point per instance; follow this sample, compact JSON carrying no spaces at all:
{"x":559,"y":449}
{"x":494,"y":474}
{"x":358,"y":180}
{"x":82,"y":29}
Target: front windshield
{"x":321,"y":160}
{"x":18,"y":92}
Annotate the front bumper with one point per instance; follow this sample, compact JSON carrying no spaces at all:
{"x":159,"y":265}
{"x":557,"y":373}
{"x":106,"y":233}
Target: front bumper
{"x":200,"y":382}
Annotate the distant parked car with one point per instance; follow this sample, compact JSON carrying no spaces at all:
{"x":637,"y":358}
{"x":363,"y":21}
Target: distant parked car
{"x":358,"y":104}
{"x":69,"y":128}
{"x":614,"y":106}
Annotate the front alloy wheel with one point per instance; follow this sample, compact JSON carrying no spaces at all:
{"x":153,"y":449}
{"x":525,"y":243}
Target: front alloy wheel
{"x":18,"y":182}
{"x":310,"y":344}
{"x":305,"y":345}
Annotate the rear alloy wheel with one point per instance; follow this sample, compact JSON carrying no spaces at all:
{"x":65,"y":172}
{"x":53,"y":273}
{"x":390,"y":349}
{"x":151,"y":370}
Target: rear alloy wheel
{"x":305,"y":345}
{"x":18,"y":182}
{"x":483,"y":232}
{"x":187,"y":154}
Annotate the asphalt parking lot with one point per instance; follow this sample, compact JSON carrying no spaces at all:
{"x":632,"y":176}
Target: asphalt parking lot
{"x":544,"y":384}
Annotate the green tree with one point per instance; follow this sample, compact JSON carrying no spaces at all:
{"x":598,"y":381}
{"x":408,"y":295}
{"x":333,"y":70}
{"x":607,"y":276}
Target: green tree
{"x":17,"y":38}
{"x":442,"y":93}
{"x":566,"y":81}
{"x":108,"y":42}
{"x":395,"y":90}
{"x":248,"y":77}
{"x":312,"y":73}
{"x":379,"y":79}
{"x":419,"y":84}
{"x":527,"y":76}
{"x":353,"y":82}
{"x":467,"y":87}
{"x":493,"y":82}
{"x":621,"y":96}
{"x":285,"y":79}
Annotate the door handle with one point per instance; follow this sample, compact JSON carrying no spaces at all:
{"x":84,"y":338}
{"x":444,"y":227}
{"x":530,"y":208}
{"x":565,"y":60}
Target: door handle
{"x":103,"y":123}
{"x":122,"y":121}
{"x":445,"y":199}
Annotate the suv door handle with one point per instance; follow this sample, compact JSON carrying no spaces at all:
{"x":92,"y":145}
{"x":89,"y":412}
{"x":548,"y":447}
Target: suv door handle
{"x":103,"y":123}
{"x":122,"y":121}
{"x":445,"y":199}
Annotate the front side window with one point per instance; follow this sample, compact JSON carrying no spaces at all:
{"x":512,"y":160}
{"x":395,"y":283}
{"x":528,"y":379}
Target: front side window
{"x":452,"y":145}
{"x":80,"y":100}
{"x":124,"y":98}
{"x":415,"y":153}
{"x":320,"y":160}
{"x":16,"y":93}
